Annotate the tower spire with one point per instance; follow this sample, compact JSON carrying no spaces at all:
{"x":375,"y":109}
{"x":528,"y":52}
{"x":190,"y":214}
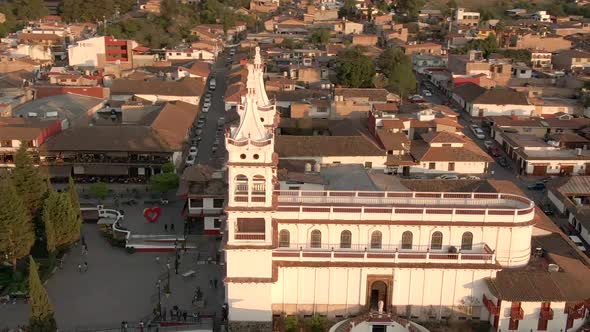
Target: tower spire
{"x":250,"y":126}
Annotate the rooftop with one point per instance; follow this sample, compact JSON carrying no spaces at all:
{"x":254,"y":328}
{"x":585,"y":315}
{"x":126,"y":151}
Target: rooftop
{"x":67,"y":106}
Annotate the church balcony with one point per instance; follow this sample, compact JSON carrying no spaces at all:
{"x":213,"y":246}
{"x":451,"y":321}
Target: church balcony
{"x":479,"y":254}
{"x":422,"y":206}
{"x":249,"y":236}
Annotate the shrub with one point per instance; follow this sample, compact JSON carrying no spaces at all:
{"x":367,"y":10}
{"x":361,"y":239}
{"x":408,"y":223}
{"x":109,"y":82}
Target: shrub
{"x":130,"y":250}
{"x":291,"y":324}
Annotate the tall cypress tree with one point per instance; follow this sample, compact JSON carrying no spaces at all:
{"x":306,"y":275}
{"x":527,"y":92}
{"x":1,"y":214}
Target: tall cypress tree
{"x":75,"y":199}
{"x":29,"y":182}
{"x":62,"y":225}
{"x":41,"y":319}
{"x":16,"y":229}
{"x":48,"y":220}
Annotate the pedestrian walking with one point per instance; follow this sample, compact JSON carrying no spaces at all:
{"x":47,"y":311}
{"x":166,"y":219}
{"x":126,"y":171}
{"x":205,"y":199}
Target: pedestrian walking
{"x":83,"y":250}
{"x":210,"y":283}
{"x":172,"y":227}
{"x":184,"y":314}
{"x":141,"y":326}
{"x":165,"y":227}
{"x":157,"y":259}
{"x":83,"y":240}
{"x":80,"y":268}
{"x":85,"y":266}
{"x":215,"y":283}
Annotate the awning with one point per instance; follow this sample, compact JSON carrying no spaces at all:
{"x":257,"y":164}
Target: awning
{"x":58,"y":171}
{"x":117,"y":170}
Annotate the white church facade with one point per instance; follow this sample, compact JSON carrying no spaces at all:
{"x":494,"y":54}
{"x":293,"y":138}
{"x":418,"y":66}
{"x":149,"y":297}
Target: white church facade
{"x":424,"y":255}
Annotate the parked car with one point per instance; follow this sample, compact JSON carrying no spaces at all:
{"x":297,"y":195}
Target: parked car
{"x":578,"y":242}
{"x":479,"y":133}
{"x":200,"y":124}
{"x":470,"y":177}
{"x":420,"y":176}
{"x":473,"y":126}
{"x":206,"y":108}
{"x":190,"y":160}
{"x":212,"y":84}
{"x":221,"y":121}
{"x":427,"y":93}
{"x":448,"y":177}
{"x":502,"y":162}
{"x":547,"y":209}
{"x":536,"y":186}
{"x":193,"y":151}
{"x":488,"y":144}
{"x":494,"y":151}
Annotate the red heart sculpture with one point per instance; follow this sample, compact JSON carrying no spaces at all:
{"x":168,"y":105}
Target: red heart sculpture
{"x":152,"y":214}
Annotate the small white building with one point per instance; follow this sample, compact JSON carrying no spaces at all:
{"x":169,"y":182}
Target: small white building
{"x":190,"y":54}
{"x":541,"y":16}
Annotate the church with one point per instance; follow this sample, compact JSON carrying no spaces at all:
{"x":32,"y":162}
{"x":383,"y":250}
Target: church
{"x":421,"y":255}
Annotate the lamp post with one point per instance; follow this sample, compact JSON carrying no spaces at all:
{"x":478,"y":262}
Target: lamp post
{"x":159,"y":285}
{"x":168,"y":271}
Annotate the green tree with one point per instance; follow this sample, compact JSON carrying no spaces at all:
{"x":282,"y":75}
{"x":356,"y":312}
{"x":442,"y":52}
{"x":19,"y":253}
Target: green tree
{"x":74,"y":198}
{"x":355,"y":70}
{"x":17,"y":235}
{"x":30,"y":9}
{"x":165,"y":181}
{"x":29,"y":182}
{"x":62,"y":225}
{"x":41,"y":319}
{"x":487,"y":46}
{"x":100,"y":190}
{"x":320,"y":36}
{"x":410,"y":7}
{"x":397,"y":67}
{"x":349,"y":10}
{"x":291,"y":324}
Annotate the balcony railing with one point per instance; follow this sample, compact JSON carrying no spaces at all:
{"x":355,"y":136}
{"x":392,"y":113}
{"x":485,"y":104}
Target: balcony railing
{"x":419,"y":253}
{"x":106,"y":160}
{"x":575,"y":312}
{"x":516,"y":313}
{"x":546,"y":313}
{"x":438,"y":206}
{"x":249,"y":236}
{"x":421,"y":199}
{"x":193,"y":210}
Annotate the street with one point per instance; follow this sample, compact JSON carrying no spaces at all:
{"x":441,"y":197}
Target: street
{"x":496,"y":171}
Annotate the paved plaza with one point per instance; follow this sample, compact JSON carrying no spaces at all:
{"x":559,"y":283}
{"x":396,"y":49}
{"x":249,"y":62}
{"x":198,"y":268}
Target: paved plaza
{"x":119,"y":286}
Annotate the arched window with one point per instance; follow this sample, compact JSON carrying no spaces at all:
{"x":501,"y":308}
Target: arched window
{"x":316,"y":239}
{"x":258,"y":185}
{"x":345,"y":239}
{"x":467,"y":241}
{"x":407,"y":238}
{"x":436,"y":241}
{"x":284,"y":238}
{"x":376,"y":238}
{"x":241,"y":185}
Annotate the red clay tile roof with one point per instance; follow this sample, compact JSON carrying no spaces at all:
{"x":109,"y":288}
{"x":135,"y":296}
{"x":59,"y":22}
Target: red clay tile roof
{"x":174,"y":121}
{"x":470,"y":152}
{"x":393,"y":141}
{"x":469,"y":91}
{"x":315,"y":146}
{"x":501,"y":96}
{"x":442,"y":137}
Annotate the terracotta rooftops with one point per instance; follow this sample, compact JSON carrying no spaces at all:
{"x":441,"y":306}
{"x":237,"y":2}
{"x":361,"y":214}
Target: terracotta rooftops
{"x":106,"y":138}
{"x":501,"y":96}
{"x":174,"y":121}
{"x":22,"y":128}
{"x":371,"y":94}
{"x":442,"y":137}
{"x":469,"y":91}
{"x":313,"y":146}
{"x":469,"y":152}
{"x":184,"y":87}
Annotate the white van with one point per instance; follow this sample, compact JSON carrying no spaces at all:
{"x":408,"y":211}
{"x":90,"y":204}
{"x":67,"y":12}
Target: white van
{"x":212,"y":84}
